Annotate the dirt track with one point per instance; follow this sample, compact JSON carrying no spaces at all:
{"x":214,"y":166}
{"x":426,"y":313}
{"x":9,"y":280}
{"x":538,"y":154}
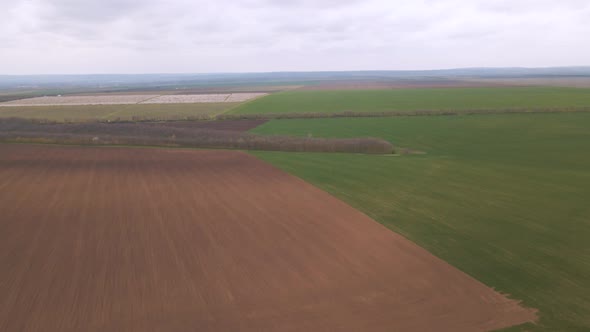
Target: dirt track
{"x":113,"y":239}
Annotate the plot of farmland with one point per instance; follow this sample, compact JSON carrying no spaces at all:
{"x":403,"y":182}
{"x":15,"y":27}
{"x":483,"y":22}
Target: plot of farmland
{"x":456,"y":99}
{"x":210,"y":98}
{"x":79,"y":100}
{"x":502,"y":197}
{"x":133,"y":99}
{"x":117,"y":112}
{"x":107,"y":239}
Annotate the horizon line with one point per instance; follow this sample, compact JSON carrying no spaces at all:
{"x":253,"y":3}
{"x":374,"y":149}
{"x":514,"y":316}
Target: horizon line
{"x":584,"y":67}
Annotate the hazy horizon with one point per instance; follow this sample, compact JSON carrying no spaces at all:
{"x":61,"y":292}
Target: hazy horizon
{"x":408,"y":70}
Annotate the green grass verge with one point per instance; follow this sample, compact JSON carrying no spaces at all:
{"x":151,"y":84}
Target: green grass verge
{"x":502,"y":197}
{"x":114,"y":112}
{"x":416,"y":99}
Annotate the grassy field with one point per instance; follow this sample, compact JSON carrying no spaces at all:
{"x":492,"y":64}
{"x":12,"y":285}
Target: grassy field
{"x":113,"y":112}
{"x":502,"y":197}
{"x":416,"y":99}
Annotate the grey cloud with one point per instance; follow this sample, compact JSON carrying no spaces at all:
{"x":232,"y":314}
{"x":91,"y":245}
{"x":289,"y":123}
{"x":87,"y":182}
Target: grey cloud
{"x":102,"y":11}
{"x":253,"y":35}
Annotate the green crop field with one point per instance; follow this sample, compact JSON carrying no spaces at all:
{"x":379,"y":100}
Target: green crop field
{"x":416,"y":99}
{"x":113,"y":112}
{"x":502,"y":197}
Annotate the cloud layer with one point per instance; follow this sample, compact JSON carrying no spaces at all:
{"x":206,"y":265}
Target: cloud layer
{"x":139,"y":36}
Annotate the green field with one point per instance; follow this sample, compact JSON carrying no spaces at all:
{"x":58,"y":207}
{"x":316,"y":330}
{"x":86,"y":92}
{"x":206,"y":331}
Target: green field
{"x":416,"y":99}
{"x":114,"y":112}
{"x":502,"y":197}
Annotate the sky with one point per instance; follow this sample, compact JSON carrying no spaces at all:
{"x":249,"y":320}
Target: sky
{"x":195,"y":36}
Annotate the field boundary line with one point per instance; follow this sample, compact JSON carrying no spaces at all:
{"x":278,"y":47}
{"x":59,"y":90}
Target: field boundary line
{"x":123,"y":108}
{"x":143,"y":101}
{"x":231,"y":109}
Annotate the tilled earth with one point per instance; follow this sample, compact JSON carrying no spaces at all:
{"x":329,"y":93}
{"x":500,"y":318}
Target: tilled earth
{"x":121,"y":239}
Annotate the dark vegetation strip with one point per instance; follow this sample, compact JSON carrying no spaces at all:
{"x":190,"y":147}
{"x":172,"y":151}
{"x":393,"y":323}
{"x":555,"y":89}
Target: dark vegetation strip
{"x":9,"y":97}
{"x":208,"y":118}
{"x":237,"y":125}
{"x":351,"y":114}
{"x":21,"y":130}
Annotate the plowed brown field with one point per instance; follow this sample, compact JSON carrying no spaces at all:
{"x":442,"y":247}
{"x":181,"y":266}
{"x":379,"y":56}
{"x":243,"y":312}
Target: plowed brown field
{"x":114,"y":239}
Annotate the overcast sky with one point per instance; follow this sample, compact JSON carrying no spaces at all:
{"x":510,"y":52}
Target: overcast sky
{"x":194,"y":36}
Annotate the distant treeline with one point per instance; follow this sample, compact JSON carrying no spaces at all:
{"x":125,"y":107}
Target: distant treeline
{"x":170,"y":81}
{"x":21,"y":130}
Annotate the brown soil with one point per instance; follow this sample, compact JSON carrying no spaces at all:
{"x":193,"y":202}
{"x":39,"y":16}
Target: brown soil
{"x":402,"y":84}
{"x":114,"y":239}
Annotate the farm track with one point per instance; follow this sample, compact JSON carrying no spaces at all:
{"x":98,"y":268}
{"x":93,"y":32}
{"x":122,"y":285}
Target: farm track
{"x":116,"y":239}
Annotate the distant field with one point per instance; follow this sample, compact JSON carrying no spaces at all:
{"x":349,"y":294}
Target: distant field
{"x":416,"y":99}
{"x":198,"y":90}
{"x":502,"y":197}
{"x":413,"y":83}
{"x":9,"y":95}
{"x":114,"y":112}
{"x":119,"y":99}
{"x":79,"y":100}
{"x":577,"y":82}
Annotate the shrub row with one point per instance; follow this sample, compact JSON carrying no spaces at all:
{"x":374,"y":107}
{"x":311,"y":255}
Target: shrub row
{"x":19,"y":130}
{"x":319,"y":115}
